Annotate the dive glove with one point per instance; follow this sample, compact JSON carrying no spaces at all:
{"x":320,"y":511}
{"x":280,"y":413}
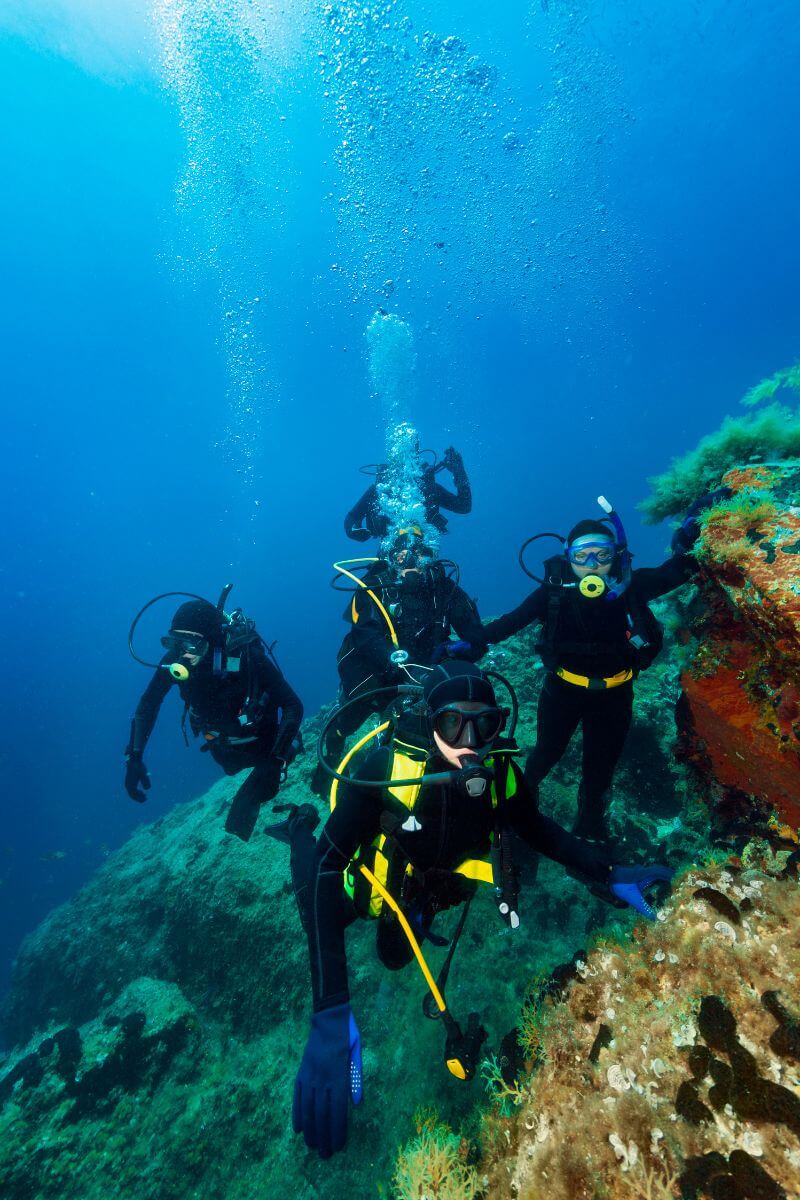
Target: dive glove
{"x":452,"y":459}
{"x":137,"y":777}
{"x":629,"y":885}
{"x":457,"y":649}
{"x":330,"y":1077}
{"x":358,"y":535}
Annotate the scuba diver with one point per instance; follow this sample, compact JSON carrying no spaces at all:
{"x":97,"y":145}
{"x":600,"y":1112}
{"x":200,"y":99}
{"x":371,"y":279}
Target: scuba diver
{"x":234,"y":695}
{"x":597,"y":634}
{"x":367,"y":520}
{"x":428,"y":815}
{"x":403,"y":608}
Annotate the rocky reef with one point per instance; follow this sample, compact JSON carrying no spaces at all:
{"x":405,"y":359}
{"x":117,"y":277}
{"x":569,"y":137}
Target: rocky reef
{"x":669,"y":1066}
{"x":742,"y":681}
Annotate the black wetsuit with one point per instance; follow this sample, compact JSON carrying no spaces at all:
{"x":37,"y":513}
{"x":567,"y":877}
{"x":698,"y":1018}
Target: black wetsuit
{"x":424,"y":607}
{"x":248,"y":718}
{"x":590,"y":639}
{"x":454,"y":827}
{"x":436,"y":497}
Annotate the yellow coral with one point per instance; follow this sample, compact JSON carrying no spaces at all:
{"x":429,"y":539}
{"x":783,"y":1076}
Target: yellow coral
{"x":432,"y":1167}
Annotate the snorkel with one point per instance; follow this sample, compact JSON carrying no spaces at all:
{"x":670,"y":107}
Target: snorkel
{"x":591,"y":586}
{"x":624,"y":557}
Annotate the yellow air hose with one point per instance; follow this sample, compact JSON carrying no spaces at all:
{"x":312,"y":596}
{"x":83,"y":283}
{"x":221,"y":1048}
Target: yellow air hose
{"x":341,"y":568}
{"x":407,"y":930}
{"x":354,"y":750}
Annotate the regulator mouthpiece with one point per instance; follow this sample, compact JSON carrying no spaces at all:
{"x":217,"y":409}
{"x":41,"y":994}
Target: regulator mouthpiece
{"x":592,"y":586}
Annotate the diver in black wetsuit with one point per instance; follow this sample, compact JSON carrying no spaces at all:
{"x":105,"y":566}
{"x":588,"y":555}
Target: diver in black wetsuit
{"x":409,"y":604}
{"x":235,"y":697}
{"x":425,"y":819}
{"x":367,"y":520}
{"x":598,"y":633}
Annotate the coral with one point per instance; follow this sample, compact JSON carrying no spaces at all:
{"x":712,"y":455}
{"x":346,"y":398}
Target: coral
{"x":432,"y":1167}
{"x":695,"y":1090}
{"x":506,"y":1094}
{"x":741,"y":716}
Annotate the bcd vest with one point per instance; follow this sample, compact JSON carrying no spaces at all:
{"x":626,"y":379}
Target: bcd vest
{"x":644,"y":633}
{"x":389,"y":865}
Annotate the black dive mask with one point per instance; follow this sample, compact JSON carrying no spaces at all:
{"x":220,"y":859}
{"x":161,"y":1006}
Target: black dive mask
{"x":459,"y":727}
{"x":179,"y":643}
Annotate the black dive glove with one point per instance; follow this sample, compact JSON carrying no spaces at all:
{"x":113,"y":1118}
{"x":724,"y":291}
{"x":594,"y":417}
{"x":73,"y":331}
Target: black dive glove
{"x":687,"y":533}
{"x":453,"y":460}
{"x":358,"y":535}
{"x":137,"y":777}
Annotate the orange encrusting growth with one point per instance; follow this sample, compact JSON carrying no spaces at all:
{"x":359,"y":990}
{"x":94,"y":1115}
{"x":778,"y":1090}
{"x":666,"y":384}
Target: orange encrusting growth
{"x":743,"y":687}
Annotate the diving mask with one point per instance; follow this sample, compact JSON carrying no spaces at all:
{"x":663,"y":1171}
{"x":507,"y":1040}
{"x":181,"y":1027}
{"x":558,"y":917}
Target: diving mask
{"x":461,"y":727}
{"x":182,"y":644}
{"x":591,"y":554}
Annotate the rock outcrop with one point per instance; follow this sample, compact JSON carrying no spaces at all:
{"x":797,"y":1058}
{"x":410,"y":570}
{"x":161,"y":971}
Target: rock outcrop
{"x":742,"y":684}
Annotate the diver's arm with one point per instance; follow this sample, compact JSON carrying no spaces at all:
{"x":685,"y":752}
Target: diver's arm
{"x":354,"y":519}
{"x":466,"y":622}
{"x":354,"y":822}
{"x":461,"y":500}
{"x":549,"y":838}
{"x":291,"y":706}
{"x":652,"y":582}
{"x":533,"y":608}
{"x":147,"y":711}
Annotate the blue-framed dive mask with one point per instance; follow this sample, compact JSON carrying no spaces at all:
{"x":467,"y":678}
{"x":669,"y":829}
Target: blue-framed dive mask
{"x":591,"y":554}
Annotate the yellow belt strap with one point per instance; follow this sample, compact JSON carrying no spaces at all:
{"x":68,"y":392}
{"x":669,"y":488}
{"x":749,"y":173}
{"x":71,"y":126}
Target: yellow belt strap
{"x":586,"y":681}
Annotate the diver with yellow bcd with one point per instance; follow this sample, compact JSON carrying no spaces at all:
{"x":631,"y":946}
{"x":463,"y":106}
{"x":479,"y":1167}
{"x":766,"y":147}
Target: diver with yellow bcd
{"x":403,"y":606}
{"x":235,"y":698}
{"x":425,"y":818}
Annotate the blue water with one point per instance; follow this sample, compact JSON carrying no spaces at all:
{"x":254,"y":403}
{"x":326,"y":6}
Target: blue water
{"x":618,"y":264}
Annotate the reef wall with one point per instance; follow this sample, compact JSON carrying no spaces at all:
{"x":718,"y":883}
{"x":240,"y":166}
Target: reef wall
{"x":742,"y":683}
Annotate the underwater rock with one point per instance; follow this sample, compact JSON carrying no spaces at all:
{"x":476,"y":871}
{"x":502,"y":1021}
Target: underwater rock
{"x":717,"y":1117}
{"x":742,"y":685}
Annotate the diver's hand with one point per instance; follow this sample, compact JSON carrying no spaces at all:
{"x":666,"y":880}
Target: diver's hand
{"x":687,"y":533}
{"x":455,"y":649}
{"x":137,"y":777}
{"x":329,"y":1079}
{"x":629,"y":885}
{"x":452,"y":460}
{"x":358,"y":535}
